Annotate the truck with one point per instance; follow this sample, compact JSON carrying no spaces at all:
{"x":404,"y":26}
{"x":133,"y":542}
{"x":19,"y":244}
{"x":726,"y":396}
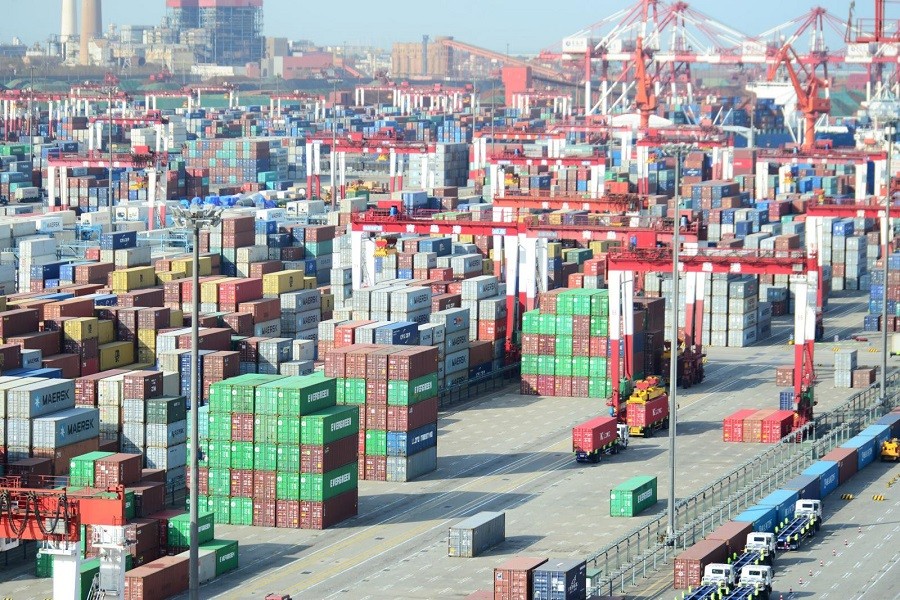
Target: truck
{"x":647,"y":409}
{"x":754,"y":583}
{"x":805,"y":524}
{"x":759,"y":550}
{"x":718,"y":580}
{"x":601,"y":435}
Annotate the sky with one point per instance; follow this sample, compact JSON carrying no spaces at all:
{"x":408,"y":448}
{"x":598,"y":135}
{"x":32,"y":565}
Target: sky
{"x":525,"y":26}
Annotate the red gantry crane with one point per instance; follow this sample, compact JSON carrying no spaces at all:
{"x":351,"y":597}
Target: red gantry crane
{"x":808,"y":100}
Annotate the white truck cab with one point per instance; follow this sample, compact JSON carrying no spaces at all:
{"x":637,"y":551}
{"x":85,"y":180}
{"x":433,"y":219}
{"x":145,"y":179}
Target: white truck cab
{"x":718,"y":574}
{"x":759,"y":575}
{"x":762,"y":542}
{"x":808,"y":507}
{"x":623,"y":435}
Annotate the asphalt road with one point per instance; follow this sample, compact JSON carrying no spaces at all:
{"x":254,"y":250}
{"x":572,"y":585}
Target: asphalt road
{"x":512,"y":453}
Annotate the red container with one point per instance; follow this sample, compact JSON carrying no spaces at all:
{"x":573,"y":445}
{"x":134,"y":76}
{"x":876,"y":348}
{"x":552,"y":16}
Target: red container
{"x":157,"y":580}
{"x":412,"y":363}
{"x":322,"y":459}
{"x":149,"y":498}
{"x":734,"y":534}
{"x":63,"y":456}
{"x":142,"y":385}
{"x":240,"y":323}
{"x":162,"y":521}
{"x":86,"y":386}
{"x":546,"y":385}
{"x":752,"y":432}
{"x":93,"y":273}
{"x":599,"y":347}
{"x":236,"y":291}
{"x":642,"y":414}
{"x":345,"y":333}
{"x":376,"y":416}
{"x":118,"y":469}
{"x":777,"y":425}
{"x":689,"y":564}
{"x":264,"y":310}
{"x":480,"y":352}
{"x":48,"y":342}
{"x":376,"y":468}
{"x":847,"y":462}
{"x":145,"y":533}
{"x":18,"y":322}
{"x":153,"y":476}
{"x":547,"y":345}
{"x":594,"y":434}
{"x":264,"y":512}
{"x":321,"y":515}
{"x":563,"y":387}
{"x":445,"y":301}
{"x":242,"y":483}
{"x":155,"y":318}
{"x":70,"y":364}
{"x":202,"y":484}
{"x":10,"y":356}
{"x":143,"y":298}
{"x":581,"y":387}
{"x":242,"y":427}
{"x":733,"y":425}
{"x":264,"y":268}
{"x":73,"y":307}
{"x":287,"y":514}
{"x":336,"y":362}
{"x":376,"y":394}
{"x":377,"y":362}
{"x":216,"y":339}
{"x":264,"y":489}
{"x":513,"y":579}
{"x":408,"y":418}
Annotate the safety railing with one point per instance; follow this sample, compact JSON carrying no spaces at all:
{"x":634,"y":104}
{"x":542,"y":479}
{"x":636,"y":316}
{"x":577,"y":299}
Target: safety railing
{"x":646,"y":549}
{"x":477,"y":387}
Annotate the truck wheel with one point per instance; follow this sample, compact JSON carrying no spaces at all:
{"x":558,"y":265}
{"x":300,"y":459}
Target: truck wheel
{"x":648,"y":432}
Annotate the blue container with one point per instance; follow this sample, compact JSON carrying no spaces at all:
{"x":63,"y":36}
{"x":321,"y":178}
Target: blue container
{"x":865,"y":450}
{"x":119,"y":240}
{"x":893,"y":421}
{"x":267,"y":227}
{"x":764,"y":518}
{"x":560,"y":580}
{"x":880,"y":433}
{"x":806,"y":486}
{"x":783,"y":503}
{"x":827,"y":471}
{"x":47,"y":373}
{"x":440,"y":246}
{"x":105,"y":299}
{"x":407,"y":443}
{"x":56,"y":297}
{"x":279,"y":240}
{"x":786,"y":399}
{"x":402,"y":333}
{"x":481,"y":370}
{"x":44,"y":272}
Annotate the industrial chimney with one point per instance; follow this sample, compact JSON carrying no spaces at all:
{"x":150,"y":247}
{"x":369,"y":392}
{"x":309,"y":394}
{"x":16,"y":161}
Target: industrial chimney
{"x":69,"y":28}
{"x":91,"y":26}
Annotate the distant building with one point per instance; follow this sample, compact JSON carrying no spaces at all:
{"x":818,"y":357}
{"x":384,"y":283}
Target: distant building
{"x":231,"y":29}
{"x":407,"y":60}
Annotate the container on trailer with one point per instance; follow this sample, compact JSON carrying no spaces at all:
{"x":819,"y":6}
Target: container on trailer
{"x":595,"y":434}
{"x":644,"y":414}
{"x":734,"y":534}
{"x":865,"y":450}
{"x":783,"y":502}
{"x":847,"y":461}
{"x":560,"y":580}
{"x":632,"y":497}
{"x":689,"y":565}
{"x":827,"y":473}
{"x":763,"y":518}
{"x":470,"y":537}
{"x":879,"y":432}
{"x":893,"y":421}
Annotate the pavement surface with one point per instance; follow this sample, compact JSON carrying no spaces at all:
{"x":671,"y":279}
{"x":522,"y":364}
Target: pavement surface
{"x":511,"y":453}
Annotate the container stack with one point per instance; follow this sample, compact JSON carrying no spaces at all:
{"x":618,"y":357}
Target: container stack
{"x":844,"y":366}
{"x":881,"y":291}
{"x":396,"y":389}
{"x":263,"y":431}
{"x":557,"y":363}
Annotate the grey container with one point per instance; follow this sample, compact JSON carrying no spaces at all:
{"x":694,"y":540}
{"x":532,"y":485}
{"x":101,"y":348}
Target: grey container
{"x":164,"y":411}
{"x":40,"y":398}
{"x":479,"y":288}
{"x":492,"y":309}
{"x":133,"y":411}
{"x":18,"y":433}
{"x":301,"y":301}
{"x":65,"y":427}
{"x":166,"y":458}
{"x":457,"y":361}
{"x":454,"y":342}
{"x":411,"y":299}
{"x":7,"y":383}
{"x":175,"y":479}
{"x":296,"y":368}
{"x":407,"y":468}
{"x":466,"y":264}
{"x":478,"y":533}
{"x":453,"y":319}
{"x":164,"y":436}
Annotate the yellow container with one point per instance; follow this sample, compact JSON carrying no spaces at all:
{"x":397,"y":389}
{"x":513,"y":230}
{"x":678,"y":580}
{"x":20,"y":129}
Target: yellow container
{"x":183,"y":266}
{"x":487,"y":267}
{"x":2,"y":303}
{"x":327,"y":303}
{"x":310,"y":283}
{"x":106,"y":332}
{"x":146,"y":338}
{"x":167,"y":276}
{"x":209,"y":290}
{"x":466,"y":239}
{"x":176,"y":318}
{"x":135,"y":278}
{"x":116,"y":354}
{"x":275,"y":284}
{"x":80,"y":329}
{"x":554,"y":250}
{"x":145,"y":355}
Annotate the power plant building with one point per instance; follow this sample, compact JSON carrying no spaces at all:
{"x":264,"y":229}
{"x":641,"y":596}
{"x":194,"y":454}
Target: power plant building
{"x":222,"y":32}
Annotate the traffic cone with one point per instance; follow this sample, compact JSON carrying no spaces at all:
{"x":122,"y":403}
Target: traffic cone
{"x":834,"y":552}
{"x":810,"y":572}
{"x":821,"y":563}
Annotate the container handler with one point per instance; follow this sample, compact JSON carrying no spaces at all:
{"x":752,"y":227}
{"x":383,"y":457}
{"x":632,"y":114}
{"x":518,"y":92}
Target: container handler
{"x":647,"y":409}
{"x":890,"y":450}
{"x":805,"y":524}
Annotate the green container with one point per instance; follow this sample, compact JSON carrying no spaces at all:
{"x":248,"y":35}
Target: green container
{"x":203,"y":502}
{"x":406,"y":393}
{"x":129,"y":506}
{"x":600,"y":303}
{"x":581,"y":303}
{"x":329,"y":425}
{"x":546,"y":365}
{"x":226,"y":552}
{"x":563,"y":325}
{"x":581,"y":366}
{"x":238,"y":394}
{"x":547,"y":324}
{"x":599,"y":387}
{"x":241,"y":511}
{"x":221,"y":507}
{"x":81,"y":468}
{"x":376,"y":442}
{"x":241,"y":455}
{"x":301,"y":395}
{"x":265,"y":457}
{"x":204,"y":452}
{"x":564,"y":345}
{"x":43,"y":565}
{"x":631,"y":498}
{"x":599,"y":366}
{"x":287,"y":486}
{"x":220,"y":481}
{"x":266,"y":403}
{"x":179,"y":531}
{"x":565,"y":303}
{"x":288,"y":460}
{"x":340,"y":392}
{"x":265,"y":429}
{"x":599,"y":326}
{"x":529,"y":364}
{"x":563,"y":366}
{"x":318,"y":488}
{"x":89,"y":570}
{"x":166,"y":410}
{"x":354,"y":391}
{"x":531,"y":322}
{"x":288,"y":430}
{"x":220,"y":426}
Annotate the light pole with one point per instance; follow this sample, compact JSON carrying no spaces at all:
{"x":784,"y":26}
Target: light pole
{"x":194,"y":218}
{"x":678,"y":150}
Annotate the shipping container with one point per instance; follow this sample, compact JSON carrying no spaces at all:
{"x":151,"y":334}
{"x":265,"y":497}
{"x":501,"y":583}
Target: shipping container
{"x":734,"y":534}
{"x":478,"y":533}
{"x":806,"y":486}
{"x":865,"y":450}
{"x":596,"y":434}
{"x":689,"y":565}
{"x":560,"y":580}
{"x":513,"y":580}
{"x":827,"y":473}
{"x":783,"y":502}
{"x":632,"y":497}
{"x":847,"y":460}
{"x":763,"y":518}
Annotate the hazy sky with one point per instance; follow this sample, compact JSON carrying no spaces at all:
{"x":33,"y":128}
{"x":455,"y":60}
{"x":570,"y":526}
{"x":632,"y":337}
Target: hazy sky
{"x":525,"y":25}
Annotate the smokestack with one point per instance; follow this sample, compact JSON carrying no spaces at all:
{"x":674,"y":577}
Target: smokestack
{"x":69,"y":28}
{"x":91,"y":26}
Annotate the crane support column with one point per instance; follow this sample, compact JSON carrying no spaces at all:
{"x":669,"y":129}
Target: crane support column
{"x":66,"y":569}
{"x":64,"y":187}
{"x":880,"y":166}
{"x":342,"y":159}
{"x":762,"y":179}
{"x":51,"y":186}
{"x":514,"y":303}
{"x":643,"y":160}
{"x":356,"y":250}
{"x":392,"y":171}
{"x":861,"y":172}
{"x":151,"y":197}
{"x":528,"y":272}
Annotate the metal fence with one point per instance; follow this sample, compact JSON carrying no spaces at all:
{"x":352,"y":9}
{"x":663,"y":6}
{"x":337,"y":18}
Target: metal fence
{"x":473,"y":388}
{"x":646,"y":549}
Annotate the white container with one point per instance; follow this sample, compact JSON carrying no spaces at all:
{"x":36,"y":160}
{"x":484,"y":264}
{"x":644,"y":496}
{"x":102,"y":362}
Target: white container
{"x":411,"y":299}
{"x":65,"y":427}
{"x":252,"y":254}
{"x":40,"y":398}
{"x":48,"y":224}
{"x":166,"y":458}
{"x":164,"y":436}
{"x":303,"y":350}
{"x":31,"y":359}
{"x":301,"y":301}
{"x":479,"y":288}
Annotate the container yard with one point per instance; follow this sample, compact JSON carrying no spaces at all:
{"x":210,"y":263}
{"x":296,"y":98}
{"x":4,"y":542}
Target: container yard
{"x":485,"y":338}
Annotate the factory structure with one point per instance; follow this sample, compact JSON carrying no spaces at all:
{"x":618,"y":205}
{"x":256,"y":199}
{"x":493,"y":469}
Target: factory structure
{"x":221,"y":32}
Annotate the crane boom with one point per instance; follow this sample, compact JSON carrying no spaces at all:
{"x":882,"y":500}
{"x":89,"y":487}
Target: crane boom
{"x":808,"y":100}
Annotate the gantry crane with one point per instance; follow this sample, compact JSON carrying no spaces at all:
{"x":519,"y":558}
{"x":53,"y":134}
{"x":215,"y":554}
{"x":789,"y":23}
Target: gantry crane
{"x":644,"y":100}
{"x":696,"y":264}
{"x":808,"y":100}
{"x":55,"y":517}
